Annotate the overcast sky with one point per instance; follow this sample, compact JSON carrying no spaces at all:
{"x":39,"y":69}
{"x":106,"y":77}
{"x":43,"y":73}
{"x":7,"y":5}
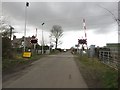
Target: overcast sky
{"x":101,"y":27}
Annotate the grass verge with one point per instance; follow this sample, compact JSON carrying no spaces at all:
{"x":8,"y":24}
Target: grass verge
{"x":54,"y":52}
{"x":18,"y":62}
{"x":9,"y":65}
{"x":97,"y":74}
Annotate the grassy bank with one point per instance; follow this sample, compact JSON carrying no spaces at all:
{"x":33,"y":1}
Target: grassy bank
{"x":54,"y":52}
{"x":18,"y":61}
{"x":8,"y":65}
{"x":96,"y":74}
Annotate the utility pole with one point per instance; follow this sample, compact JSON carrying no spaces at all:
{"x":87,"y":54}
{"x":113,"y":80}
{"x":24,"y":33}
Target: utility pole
{"x":36,"y":33}
{"x":50,"y":45}
{"x":11,"y":28}
{"x":27,"y":5}
{"x":42,"y":39}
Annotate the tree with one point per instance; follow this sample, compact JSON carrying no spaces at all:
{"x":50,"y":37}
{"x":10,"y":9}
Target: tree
{"x":6,"y":48}
{"x":3,"y":24}
{"x":5,"y":29}
{"x":6,"y":33}
{"x":56,"y":34}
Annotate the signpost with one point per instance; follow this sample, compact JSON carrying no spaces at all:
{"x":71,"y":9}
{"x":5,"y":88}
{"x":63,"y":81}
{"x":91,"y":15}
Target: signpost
{"x":34,"y":41}
{"x":82,"y":42}
{"x":27,"y":54}
{"x":77,"y":45}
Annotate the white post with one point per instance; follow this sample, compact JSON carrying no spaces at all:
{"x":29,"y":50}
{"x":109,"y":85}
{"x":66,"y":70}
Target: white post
{"x":34,"y":46}
{"x":77,"y":50}
{"x":50,"y":45}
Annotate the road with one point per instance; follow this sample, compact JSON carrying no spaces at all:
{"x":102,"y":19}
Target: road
{"x":52,"y":71}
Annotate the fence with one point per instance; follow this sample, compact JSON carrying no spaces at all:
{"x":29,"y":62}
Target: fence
{"x":45,"y":51}
{"x":109,"y":58}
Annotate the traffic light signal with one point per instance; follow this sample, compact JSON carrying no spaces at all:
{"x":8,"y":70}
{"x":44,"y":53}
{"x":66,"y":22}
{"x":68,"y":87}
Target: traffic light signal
{"x":82,"y":41}
{"x":27,"y":4}
{"x":34,"y":41}
{"x":33,"y":37}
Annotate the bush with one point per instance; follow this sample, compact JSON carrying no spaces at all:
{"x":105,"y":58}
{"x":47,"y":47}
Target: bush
{"x":6,"y":48}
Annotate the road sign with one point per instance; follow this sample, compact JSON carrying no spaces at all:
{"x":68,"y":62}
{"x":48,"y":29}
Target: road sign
{"x":27,"y":54}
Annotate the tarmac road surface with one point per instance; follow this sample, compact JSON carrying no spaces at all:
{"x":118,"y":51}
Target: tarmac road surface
{"x":52,"y":71}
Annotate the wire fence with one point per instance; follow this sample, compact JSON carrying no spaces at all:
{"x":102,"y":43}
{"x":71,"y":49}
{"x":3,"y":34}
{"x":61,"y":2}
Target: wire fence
{"x":109,"y":58}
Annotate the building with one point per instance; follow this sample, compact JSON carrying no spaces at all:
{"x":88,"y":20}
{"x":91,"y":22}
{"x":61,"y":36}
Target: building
{"x":19,"y":42}
{"x":92,"y":51}
{"x":114,"y":47}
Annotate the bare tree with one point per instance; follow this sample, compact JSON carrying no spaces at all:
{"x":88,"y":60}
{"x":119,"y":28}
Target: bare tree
{"x":3,"y":24}
{"x":56,"y":34}
{"x":5,"y":29}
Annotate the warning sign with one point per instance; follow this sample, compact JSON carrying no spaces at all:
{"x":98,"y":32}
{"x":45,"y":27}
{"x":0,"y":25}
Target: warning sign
{"x":27,"y":54}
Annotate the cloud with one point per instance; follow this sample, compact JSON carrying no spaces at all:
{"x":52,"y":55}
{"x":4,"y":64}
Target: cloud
{"x":67,"y":14}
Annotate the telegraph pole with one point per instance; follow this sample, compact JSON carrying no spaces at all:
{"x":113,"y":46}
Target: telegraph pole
{"x":36,"y":33}
{"x":27,"y":5}
{"x":42,"y":39}
{"x":11,"y":28}
{"x":50,"y":45}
